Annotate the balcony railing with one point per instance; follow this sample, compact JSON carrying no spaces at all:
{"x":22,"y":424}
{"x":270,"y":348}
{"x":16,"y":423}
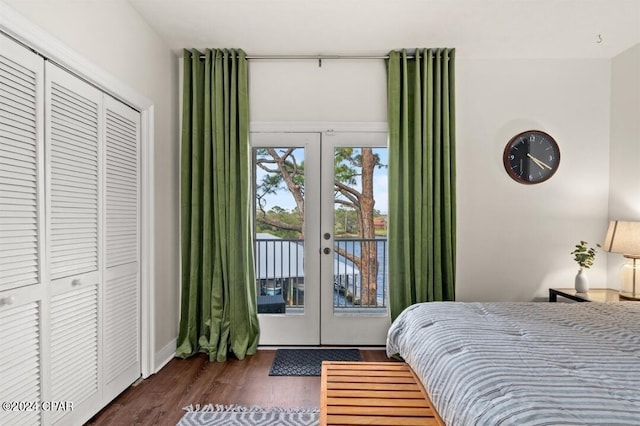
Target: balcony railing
{"x":359,"y":271}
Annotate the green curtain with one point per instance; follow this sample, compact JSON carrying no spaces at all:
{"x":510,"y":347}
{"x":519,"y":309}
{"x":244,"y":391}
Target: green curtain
{"x":422,"y":198}
{"x":218,"y":304}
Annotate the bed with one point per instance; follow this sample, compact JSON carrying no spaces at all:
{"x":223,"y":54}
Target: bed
{"x":524,"y":363}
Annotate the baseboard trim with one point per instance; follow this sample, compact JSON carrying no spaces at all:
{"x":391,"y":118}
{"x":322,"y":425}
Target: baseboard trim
{"x":166,"y":354}
{"x":276,"y":347}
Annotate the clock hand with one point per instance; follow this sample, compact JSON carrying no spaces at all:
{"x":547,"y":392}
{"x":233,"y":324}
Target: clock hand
{"x":538,"y":162}
{"x":544,"y":164}
{"x":535,"y":160}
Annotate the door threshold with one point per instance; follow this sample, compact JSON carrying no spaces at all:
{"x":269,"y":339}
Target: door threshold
{"x":275,"y":347}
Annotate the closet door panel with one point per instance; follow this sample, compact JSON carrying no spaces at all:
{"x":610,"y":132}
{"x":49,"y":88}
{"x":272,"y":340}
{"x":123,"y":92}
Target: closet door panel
{"x":74,"y":169}
{"x":73,"y":144}
{"x":121,"y":360}
{"x":20,"y":342}
{"x":21,"y":139}
{"x":122,"y":282}
{"x":74,"y":354}
{"x":121,"y":141}
{"x":22,"y":291}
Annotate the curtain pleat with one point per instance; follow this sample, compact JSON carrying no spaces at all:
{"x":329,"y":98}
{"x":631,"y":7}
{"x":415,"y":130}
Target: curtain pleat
{"x":218,"y":303}
{"x":422,"y":210}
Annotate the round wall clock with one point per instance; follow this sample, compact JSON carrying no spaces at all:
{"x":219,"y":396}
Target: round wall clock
{"x":531,"y":157}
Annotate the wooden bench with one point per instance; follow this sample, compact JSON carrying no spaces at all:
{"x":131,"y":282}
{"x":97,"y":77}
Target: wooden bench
{"x":373,"y":393}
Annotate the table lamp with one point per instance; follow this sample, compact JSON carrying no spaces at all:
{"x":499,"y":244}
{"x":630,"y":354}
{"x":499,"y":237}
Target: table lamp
{"x":624,"y":237}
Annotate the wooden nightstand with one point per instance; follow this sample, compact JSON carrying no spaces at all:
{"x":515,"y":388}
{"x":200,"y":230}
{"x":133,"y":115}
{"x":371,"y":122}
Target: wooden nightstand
{"x":593,"y":295}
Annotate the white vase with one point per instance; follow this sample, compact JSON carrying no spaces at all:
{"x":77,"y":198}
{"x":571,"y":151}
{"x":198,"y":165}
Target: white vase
{"x":582,"y":281}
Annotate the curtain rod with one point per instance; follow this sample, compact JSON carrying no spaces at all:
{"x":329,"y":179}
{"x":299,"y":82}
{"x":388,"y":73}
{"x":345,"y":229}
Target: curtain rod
{"x":314,"y":57}
{"x":318,"y":58}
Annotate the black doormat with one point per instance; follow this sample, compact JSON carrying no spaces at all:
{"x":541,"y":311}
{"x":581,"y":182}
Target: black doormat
{"x":308,"y":362}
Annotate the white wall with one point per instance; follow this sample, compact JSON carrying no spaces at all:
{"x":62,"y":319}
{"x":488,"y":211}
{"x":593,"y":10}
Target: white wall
{"x":624,"y":185}
{"x":112,"y":35}
{"x":340,"y":90}
{"x":514,"y":241}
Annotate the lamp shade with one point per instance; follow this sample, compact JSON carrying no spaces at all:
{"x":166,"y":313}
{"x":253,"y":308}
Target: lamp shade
{"x":623,"y":237}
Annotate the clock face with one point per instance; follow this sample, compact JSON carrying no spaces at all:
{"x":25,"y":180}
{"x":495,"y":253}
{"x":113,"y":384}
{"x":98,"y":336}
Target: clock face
{"x":531,"y":157}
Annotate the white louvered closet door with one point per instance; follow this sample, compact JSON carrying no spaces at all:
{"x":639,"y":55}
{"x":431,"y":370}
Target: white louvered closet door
{"x":74,"y":180}
{"x":121,"y":362}
{"x":21,"y":229}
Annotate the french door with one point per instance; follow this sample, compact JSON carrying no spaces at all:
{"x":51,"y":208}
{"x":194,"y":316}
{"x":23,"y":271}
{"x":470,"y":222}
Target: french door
{"x":320,"y":237}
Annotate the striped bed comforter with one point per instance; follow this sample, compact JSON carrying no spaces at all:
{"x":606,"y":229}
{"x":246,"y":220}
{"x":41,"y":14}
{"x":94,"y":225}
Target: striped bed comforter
{"x":525,"y":363}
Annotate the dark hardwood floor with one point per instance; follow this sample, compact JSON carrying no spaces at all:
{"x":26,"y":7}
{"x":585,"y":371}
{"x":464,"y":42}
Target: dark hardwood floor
{"x":159,"y":399}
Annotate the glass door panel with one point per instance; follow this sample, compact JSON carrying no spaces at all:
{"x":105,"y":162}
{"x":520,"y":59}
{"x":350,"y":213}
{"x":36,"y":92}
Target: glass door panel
{"x":286,"y":231}
{"x":354,"y":215}
{"x":279,"y":227}
{"x":360,"y":228}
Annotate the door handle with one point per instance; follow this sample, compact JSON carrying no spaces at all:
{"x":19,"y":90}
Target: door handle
{"x":6,"y":301}
{"x":326,"y":250}
{"x":327,"y":235}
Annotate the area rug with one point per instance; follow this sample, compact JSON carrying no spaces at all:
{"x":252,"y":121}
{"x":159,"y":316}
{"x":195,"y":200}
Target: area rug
{"x":238,"y":415}
{"x":308,"y":362}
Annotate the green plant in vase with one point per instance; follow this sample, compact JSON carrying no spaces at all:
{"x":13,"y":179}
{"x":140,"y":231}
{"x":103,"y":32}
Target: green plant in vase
{"x":584,"y":256}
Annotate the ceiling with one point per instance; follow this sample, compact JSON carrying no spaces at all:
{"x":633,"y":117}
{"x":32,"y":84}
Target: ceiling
{"x":476,"y":28}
